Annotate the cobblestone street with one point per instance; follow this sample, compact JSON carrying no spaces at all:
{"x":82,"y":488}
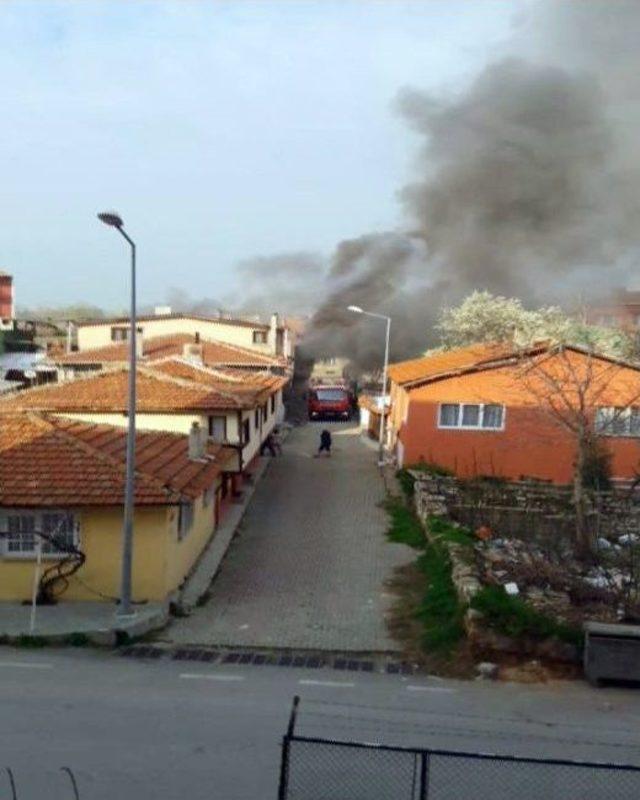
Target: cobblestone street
{"x":308,"y":566}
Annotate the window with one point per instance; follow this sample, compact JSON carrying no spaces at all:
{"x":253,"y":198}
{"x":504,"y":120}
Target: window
{"x":264,"y":413}
{"x":618,"y":421}
{"x":259,"y":337}
{"x":256,"y":418}
{"x":22,"y":530}
{"x":246,"y":431}
{"x":185,"y":520}
{"x":120,"y":333}
{"x":449,"y":414}
{"x":209,"y":496}
{"x":471,"y":416}
{"x":492,"y":416}
{"x":218,"y":429}
{"x":273,"y":404}
{"x":331,"y":395}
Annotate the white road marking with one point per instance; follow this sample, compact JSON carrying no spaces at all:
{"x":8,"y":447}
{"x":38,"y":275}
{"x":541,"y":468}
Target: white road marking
{"x":25,"y":665}
{"x":195,"y":676}
{"x":336,"y":684}
{"x":442,"y":689}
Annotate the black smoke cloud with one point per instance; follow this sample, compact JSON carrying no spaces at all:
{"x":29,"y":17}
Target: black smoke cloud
{"x":526,"y":182}
{"x":525,"y":185}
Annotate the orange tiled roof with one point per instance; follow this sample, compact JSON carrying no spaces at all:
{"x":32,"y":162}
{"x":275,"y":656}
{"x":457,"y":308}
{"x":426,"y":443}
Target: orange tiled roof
{"x":447,"y":362}
{"x":47,"y":461}
{"x":256,"y":385}
{"x":157,"y":347}
{"x":108,"y":391}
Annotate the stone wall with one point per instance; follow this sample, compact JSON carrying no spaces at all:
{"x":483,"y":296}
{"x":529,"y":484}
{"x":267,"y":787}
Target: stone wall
{"x":524,"y":509}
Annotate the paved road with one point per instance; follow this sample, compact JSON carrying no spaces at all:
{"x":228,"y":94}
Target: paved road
{"x":169,"y":730}
{"x":308,"y":568}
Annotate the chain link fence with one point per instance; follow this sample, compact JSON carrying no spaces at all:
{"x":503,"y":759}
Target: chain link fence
{"x":322,"y":769}
{"x":318,"y":769}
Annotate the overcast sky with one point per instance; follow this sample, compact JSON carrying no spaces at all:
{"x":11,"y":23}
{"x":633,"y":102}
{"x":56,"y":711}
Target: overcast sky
{"x":219,"y":130}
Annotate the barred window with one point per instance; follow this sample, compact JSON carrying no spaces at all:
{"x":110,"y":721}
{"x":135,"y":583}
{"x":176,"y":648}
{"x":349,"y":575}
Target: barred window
{"x":21,"y":529}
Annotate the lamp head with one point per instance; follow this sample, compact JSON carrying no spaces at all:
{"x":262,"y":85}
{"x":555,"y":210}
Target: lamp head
{"x":111,"y":218}
{"x":355,"y":309}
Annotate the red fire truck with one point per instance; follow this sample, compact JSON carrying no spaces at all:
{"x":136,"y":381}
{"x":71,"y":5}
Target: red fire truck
{"x":329,"y":401}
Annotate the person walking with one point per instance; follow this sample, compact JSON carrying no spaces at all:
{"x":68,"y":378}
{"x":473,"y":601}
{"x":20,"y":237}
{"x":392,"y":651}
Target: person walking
{"x":325,"y":443}
{"x":270,"y":445}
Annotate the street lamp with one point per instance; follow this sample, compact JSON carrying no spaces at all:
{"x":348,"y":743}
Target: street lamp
{"x":125,"y":609}
{"x":358,"y":310}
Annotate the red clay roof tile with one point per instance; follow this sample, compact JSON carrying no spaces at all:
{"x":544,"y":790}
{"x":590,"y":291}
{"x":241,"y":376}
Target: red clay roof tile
{"x":58,"y":462}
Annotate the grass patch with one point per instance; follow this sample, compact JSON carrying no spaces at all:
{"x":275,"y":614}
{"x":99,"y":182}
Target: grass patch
{"x":438,"y":608}
{"x":514,"y":617}
{"x":440,"y":611}
{"x":447,"y":531}
{"x":404,"y":527}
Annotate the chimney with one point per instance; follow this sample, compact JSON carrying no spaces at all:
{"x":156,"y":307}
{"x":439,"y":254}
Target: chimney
{"x":272,"y":336}
{"x":192,"y":352}
{"x":197,"y":442}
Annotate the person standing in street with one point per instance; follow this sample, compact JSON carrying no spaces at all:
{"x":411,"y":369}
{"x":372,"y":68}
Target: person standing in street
{"x":325,"y":443}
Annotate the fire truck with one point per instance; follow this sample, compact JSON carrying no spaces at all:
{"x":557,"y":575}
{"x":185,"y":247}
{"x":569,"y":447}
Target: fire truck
{"x":329,"y":401}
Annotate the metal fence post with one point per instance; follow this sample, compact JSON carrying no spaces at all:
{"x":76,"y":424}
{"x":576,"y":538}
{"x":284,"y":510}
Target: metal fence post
{"x":424,"y":775}
{"x":286,"y":746}
{"x":284,"y":769}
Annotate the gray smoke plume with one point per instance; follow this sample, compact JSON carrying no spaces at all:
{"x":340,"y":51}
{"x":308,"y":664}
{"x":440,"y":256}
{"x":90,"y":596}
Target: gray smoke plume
{"x":525,"y":185}
{"x":289,"y":283}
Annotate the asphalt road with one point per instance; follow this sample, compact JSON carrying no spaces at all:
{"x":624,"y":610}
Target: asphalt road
{"x":172,"y":730}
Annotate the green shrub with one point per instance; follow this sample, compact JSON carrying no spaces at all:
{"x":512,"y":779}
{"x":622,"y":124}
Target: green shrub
{"x":447,"y":531}
{"x":77,"y":640}
{"x":407,"y":482}
{"x":513,"y":616}
{"x":31,"y":641}
{"x":404,"y":526}
{"x":596,"y":470}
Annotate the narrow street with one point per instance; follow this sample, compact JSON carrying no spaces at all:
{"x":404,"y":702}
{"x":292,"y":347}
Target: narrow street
{"x":308,"y":567}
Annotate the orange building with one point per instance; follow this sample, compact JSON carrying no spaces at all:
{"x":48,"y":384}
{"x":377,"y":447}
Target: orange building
{"x":491,"y":410}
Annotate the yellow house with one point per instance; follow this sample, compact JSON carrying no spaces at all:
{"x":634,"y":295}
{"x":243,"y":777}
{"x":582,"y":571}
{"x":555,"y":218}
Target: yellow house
{"x":61,"y":492}
{"x":273,"y":338}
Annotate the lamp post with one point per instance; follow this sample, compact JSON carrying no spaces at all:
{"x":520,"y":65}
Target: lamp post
{"x":125,"y":608}
{"x":358,"y":310}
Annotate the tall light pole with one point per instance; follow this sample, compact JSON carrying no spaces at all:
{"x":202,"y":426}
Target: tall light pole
{"x":125,"y":608}
{"x":358,"y":310}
